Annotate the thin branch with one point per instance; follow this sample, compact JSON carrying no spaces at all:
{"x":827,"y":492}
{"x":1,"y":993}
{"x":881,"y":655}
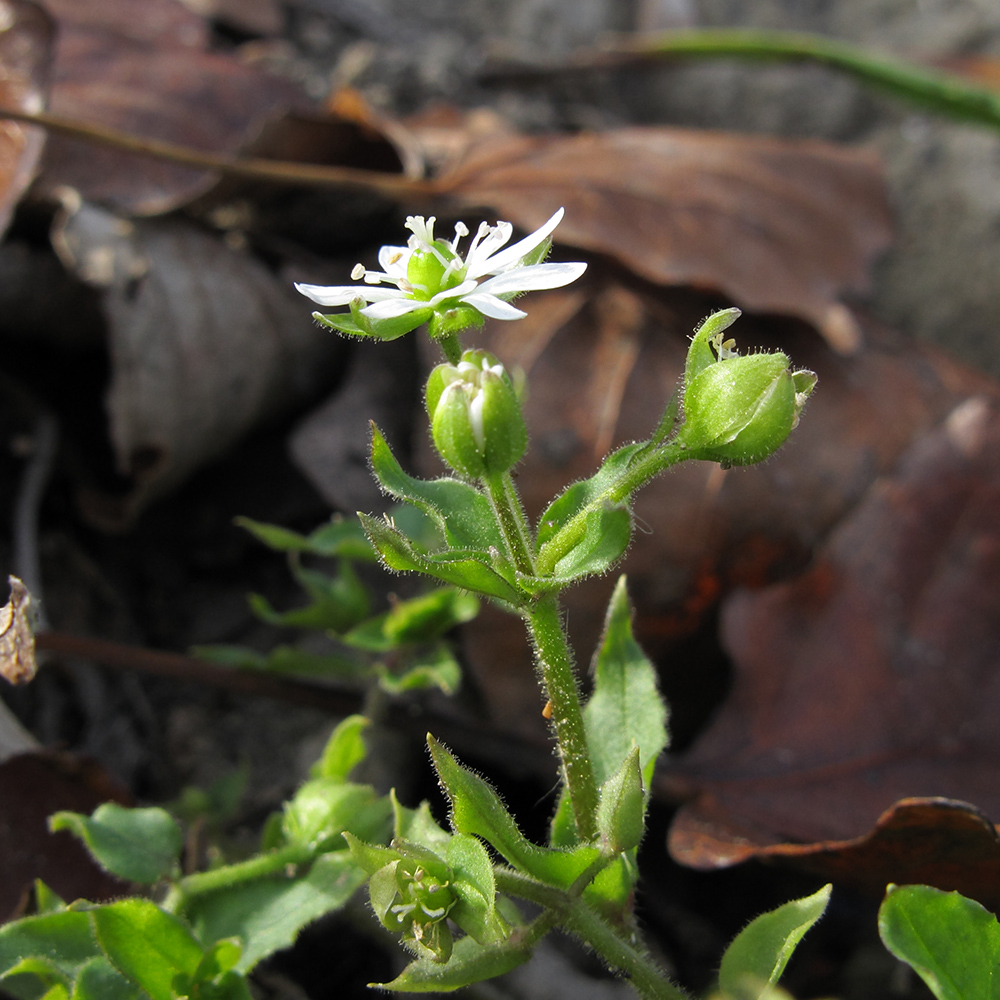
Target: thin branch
{"x":946,"y":93}
{"x":250,"y":168}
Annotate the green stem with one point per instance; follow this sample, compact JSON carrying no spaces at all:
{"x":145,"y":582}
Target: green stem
{"x":452,"y":348}
{"x":647,"y":464}
{"x":576,"y":916}
{"x":513,"y":524}
{"x":555,"y":665}
{"x":260,"y":866}
{"x":943,"y":92}
{"x":646,"y":977}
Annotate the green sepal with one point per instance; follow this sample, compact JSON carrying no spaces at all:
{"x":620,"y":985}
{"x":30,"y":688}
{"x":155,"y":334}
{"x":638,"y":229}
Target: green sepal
{"x":344,"y":750}
{"x":473,"y":883}
{"x":757,"y":957}
{"x":462,"y":568}
{"x":445,"y":322}
{"x":139,"y":845}
{"x":355,"y":324}
{"x":700,"y":354}
{"x":370,"y":857}
{"x":470,"y":963}
{"x":952,"y":942}
{"x":461,"y":512}
{"x":476,"y":808}
{"x":340,"y":537}
{"x":621,"y":808}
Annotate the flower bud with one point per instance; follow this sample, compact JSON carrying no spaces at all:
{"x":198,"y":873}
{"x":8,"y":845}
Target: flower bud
{"x":738,"y":410}
{"x":476,"y":419}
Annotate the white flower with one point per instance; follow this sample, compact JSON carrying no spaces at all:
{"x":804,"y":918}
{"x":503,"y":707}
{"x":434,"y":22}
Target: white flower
{"x":430,"y":273}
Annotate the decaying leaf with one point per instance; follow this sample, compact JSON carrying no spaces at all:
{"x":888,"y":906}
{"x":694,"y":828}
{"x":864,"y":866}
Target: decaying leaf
{"x":17,"y":638}
{"x":143,"y":67}
{"x":776,"y":225}
{"x":205,"y":341}
{"x":26,"y":39}
{"x":32,"y":787}
{"x":871,"y":678}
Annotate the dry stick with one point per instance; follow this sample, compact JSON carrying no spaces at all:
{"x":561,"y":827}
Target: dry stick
{"x":250,"y":168}
{"x":947,"y":93}
{"x":475,"y":739}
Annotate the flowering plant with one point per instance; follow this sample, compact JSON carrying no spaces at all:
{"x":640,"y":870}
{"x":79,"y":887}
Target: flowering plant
{"x":454,"y":897}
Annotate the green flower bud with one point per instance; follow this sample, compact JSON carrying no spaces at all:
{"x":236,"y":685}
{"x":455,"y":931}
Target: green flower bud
{"x":476,"y":419}
{"x":738,"y":410}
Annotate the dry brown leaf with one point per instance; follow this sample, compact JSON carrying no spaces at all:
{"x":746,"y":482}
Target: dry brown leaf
{"x":777,"y":226}
{"x":142,"y":67}
{"x":927,"y":841}
{"x":17,"y":638}
{"x":205,"y":341}
{"x":873,"y":677}
{"x":26,"y":39}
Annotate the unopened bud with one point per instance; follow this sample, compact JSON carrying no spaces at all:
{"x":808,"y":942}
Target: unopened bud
{"x":476,"y":419}
{"x":739,"y":410}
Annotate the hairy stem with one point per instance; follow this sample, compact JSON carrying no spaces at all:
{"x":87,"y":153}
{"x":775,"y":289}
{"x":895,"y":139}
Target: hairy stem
{"x":554,"y":661}
{"x":615,"y":945}
{"x":260,"y":866}
{"x":510,"y":515}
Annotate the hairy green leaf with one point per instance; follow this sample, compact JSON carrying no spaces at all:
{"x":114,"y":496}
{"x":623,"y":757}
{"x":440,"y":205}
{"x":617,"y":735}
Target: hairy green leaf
{"x":140,"y":845}
{"x":952,"y":942}
{"x":344,"y":750}
{"x":470,"y":963}
{"x":758,"y":955}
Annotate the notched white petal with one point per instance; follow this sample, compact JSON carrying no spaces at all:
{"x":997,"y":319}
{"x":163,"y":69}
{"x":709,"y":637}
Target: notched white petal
{"x":509,"y":257}
{"x":332,"y":295}
{"x":390,"y":308}
{"x":533,"y":278}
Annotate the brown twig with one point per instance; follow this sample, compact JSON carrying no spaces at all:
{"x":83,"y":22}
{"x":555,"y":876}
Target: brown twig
{"x":476,"y":739}
{"x":250,"y":168}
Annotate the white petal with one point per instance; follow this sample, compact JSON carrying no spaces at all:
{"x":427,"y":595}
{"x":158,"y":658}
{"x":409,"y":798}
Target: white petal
{"x":510,"y":256}
{"x":490,"y":305}
{"x":533,"y":277}
{"x":334,"y":295}
{"x":391,"y":308}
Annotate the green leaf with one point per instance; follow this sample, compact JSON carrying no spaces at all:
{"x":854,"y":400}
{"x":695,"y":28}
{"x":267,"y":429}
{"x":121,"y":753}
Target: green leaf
{"x":46,"y":900}
{"x":64,"y":941}
{"x":436,"y":668}
{"x":34,"y":977}
{"x":140,"y":845}
{"x":621,"y":810}
{"x":338,"y":602}
{"x":626,"y":707}
{"x":268,"y":914}
{"x":340,"y":537}
{"x":429,"y":616}
{"x":461,"y":568}
{"x":461,"y":511}
{"x":281,"y":660}
{"x":323,"y":808}
{"x":952,"y":942}
{"x":758,"y":955}
{"x":147,"y":945}
{"x":98,"y":979}
{"x":606,"y":535}
{"x":583,"y":494}
{"x":476,"y":808}
{"x":344,"y":750}
{"x":470,"y":962}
